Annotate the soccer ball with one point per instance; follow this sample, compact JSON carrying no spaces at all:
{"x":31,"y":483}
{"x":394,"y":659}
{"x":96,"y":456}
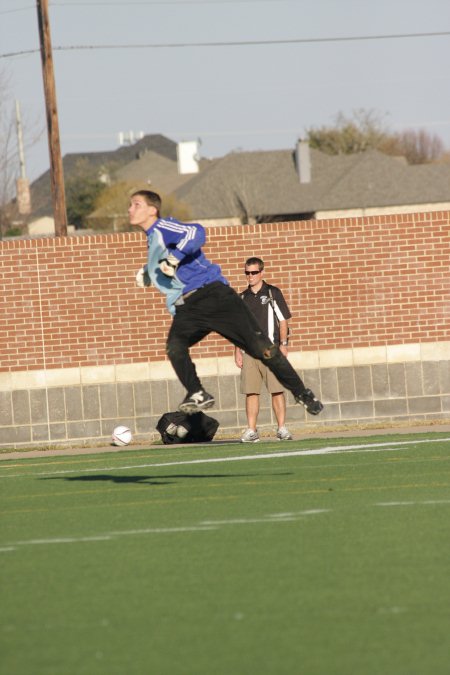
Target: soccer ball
{"x":121,"y":436}
{"x":182,"y":432}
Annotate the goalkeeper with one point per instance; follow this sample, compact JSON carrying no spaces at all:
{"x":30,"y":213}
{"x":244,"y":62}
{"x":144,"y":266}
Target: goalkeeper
{"x":201,"y":301}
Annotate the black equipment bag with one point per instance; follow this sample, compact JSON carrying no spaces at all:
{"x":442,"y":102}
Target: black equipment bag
{"x":177,"y":427}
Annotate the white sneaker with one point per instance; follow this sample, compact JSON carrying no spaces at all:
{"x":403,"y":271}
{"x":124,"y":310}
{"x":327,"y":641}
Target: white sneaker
{"x":250,"y":436}
{"x":283,"y":434}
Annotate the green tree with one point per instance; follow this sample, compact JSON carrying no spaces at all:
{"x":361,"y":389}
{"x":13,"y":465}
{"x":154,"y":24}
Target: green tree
{"x":83,"y":188}
{"x":362,"y":131}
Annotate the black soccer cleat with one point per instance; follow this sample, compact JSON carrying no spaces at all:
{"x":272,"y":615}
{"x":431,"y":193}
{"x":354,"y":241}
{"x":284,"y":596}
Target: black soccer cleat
{"x":310,"y":402}
{"x":196,"y":402}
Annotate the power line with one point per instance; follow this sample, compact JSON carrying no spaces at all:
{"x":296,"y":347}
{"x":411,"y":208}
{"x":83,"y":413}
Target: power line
{"x":243,"y":43}
{"x":17,"y":9}
{"x":143,"y":3}
{"x":109,"y":3}
{"x":22,"y":53}
{"x":163,"y":2}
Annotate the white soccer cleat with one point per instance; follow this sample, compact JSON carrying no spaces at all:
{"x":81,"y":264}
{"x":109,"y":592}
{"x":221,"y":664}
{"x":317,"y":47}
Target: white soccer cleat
{"x":196,"y":402}
{"x":308,"y":400}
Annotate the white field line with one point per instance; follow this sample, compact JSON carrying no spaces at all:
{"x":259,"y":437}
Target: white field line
{"x":412,"y":503}
{"x":204,"y":526}
{"x":366,"y":447}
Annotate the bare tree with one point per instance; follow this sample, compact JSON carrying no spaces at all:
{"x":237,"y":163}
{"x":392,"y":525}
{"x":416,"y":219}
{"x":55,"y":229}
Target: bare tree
{"x":9,"y":154}
{"x":8,"y":150}
{"x":419,"y":147}
{"x":366,"y":129}
{"x":240,"y":197}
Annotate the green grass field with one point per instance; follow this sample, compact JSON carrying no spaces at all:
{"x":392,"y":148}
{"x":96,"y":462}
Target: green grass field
{"x":313,"y":557}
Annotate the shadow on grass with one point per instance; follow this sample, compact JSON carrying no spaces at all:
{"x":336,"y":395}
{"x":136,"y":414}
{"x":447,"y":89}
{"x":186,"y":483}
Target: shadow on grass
{"x":154,"y":480}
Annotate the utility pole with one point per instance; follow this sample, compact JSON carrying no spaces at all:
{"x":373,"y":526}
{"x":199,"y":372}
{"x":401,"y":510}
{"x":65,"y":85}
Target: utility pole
{"x":22,"y":184}
{"x":56,"y":166}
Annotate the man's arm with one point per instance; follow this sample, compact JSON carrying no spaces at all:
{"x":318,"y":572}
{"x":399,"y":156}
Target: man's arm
{"x":282,"y":314}
{"x":238,"y":358}
{"x":284,"y":332}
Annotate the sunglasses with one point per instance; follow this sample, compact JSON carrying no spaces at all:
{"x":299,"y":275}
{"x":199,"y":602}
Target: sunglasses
{"x":252,"y":273}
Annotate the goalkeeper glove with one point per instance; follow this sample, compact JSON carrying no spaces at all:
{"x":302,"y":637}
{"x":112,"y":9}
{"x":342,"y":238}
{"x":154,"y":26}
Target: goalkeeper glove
{"x":168,"y":266}
{"x":142,"y":278}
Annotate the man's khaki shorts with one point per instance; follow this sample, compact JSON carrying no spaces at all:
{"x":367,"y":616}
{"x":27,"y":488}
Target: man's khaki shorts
{"x":254,"y":373}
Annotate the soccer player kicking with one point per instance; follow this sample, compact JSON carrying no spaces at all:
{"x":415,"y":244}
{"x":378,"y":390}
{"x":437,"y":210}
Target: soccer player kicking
{"x":201,"y":301}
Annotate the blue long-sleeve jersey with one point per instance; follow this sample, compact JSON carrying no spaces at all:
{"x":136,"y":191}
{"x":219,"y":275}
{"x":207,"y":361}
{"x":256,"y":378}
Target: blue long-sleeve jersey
{"x":184,"y":241}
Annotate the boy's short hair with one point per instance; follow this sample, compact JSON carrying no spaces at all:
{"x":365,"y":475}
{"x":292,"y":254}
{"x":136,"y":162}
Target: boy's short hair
{"x":152,"y":198}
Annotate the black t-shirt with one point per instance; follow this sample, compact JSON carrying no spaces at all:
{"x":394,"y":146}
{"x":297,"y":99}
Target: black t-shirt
{"x":261,"y":307}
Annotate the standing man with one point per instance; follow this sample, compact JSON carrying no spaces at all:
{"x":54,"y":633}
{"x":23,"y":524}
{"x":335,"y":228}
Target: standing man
{"x":267,"y":304}
{"x":201,"y":301}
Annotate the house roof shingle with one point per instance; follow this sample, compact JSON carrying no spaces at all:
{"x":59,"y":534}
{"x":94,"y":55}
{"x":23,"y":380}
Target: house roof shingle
{"x":41,"y":190}
{"x":264,"y":183}
{"x":269,"y":183}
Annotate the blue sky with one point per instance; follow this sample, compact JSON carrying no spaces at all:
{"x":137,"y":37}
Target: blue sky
{"x":231,"y":97}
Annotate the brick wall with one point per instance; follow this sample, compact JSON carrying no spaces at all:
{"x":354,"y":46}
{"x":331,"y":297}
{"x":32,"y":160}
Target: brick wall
{"x":354,"y":282}
{"x":81,"y":348}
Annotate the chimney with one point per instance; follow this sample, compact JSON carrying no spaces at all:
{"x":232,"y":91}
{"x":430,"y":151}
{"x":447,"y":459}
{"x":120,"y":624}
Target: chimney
{"x":187,"y":155}
{"x":303,"y":161}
